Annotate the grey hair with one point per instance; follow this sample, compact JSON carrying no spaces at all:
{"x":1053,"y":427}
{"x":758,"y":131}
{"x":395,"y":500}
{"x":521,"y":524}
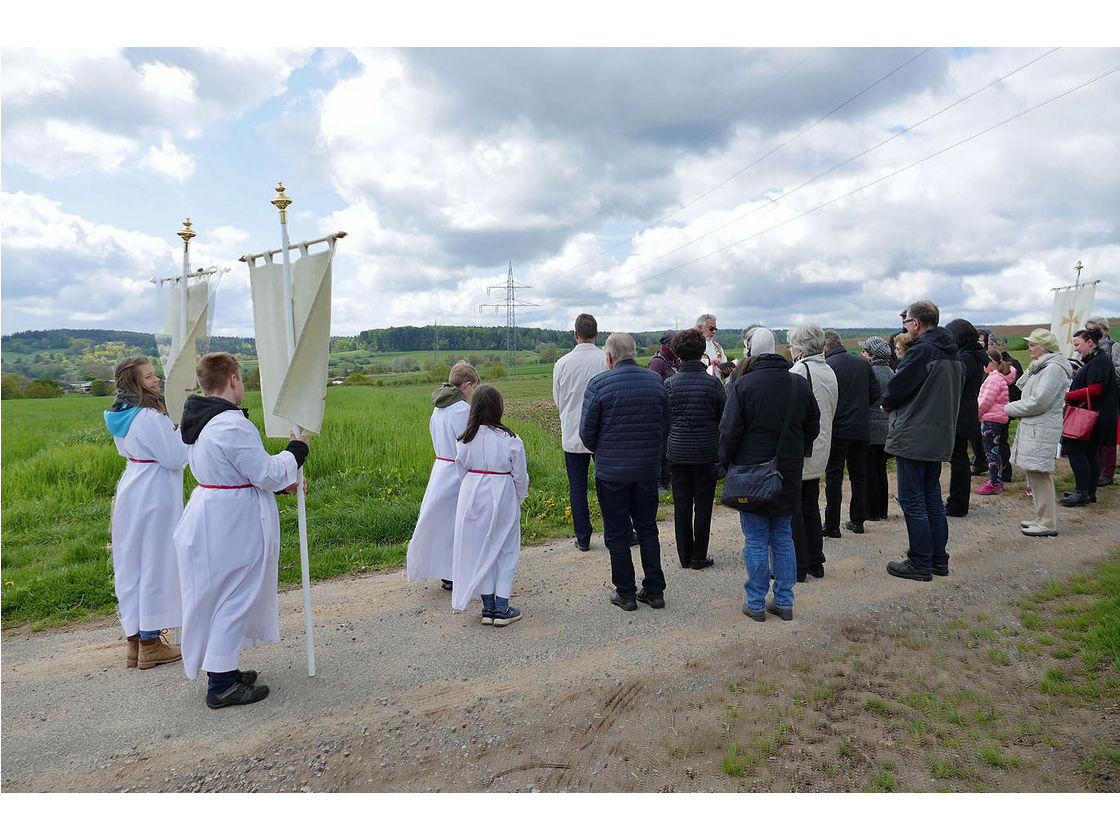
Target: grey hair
{"x":832,"y":339}
{"x":1098,"y":321}
{"x":621,"y":346}
{"x":809,"y":339}
{"x":702,"y":320}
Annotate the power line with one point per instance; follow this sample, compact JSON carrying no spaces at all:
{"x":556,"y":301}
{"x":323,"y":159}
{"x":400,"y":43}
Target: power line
{"x":774,"y":201}
{"x":759,"y":160}
{"x":885,"y":177}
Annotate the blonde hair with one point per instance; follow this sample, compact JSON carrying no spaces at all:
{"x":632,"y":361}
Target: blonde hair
{"x":902,"y":343}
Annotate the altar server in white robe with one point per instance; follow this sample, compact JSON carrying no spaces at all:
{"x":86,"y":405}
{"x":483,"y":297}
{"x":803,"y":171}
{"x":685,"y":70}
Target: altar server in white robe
{"x":429,"y":550}
{"x":228,"y":540}
{"x":146,"y":509}
{"x":490,"y":460}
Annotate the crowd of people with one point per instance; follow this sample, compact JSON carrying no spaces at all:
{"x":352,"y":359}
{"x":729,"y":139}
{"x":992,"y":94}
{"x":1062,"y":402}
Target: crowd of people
{"x":922,"y":396}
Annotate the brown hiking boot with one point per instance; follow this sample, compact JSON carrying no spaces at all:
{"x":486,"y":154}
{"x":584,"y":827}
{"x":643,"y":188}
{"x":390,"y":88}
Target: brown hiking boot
{"x":133,"y":649}
{"x":157,"y":651}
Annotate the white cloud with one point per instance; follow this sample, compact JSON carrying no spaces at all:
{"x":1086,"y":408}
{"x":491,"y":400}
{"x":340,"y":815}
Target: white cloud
{"x":168,"y":160}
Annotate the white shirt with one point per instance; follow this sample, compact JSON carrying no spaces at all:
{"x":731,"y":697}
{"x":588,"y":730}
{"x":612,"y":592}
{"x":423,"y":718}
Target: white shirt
{"x":569,"y":380}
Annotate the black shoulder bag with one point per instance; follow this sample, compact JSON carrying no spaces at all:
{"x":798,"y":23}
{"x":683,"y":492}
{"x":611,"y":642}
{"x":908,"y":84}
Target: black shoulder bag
{"x":751,"y":487}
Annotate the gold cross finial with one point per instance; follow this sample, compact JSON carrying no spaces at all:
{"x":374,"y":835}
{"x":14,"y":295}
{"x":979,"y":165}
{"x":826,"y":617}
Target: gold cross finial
{"x":186,"y":232}
{"x":1078,"y":267}
{"x":281,"y":202}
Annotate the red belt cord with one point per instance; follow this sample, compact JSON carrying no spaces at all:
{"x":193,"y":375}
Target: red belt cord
{"x":488,"y":472}
{"x":438,"y":458}
{"x":225,"y":486}
{"x":142,"y":461}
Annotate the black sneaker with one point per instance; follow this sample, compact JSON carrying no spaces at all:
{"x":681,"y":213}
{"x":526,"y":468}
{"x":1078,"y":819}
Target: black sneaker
{"x":446,"y":584}
{"x":903,"y":569}
{"x":623,"y":603}
{"x":854,"y":527}
{"x":237,"y":694}
{"x":247,"y":677}
{"x":583,"y":546}
{"x":940,"y":571}
{"x":633,"y":538}
{"x":833,"y":533}
{"x":655,"y":601}
{"x":757,"y":615}
{"x":816,"y":570}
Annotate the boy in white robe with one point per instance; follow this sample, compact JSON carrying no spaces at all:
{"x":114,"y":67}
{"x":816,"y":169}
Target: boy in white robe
{"x":146,"y":509}
{"x":490,"y":459}
{"x":228,"y":540}
{"x":429,"y":550}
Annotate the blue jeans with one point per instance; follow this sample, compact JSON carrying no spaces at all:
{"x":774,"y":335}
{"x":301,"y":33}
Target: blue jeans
{"x":577,"y":465}
{"x":623,"y":504}
{"x":765,"y":534}
{"x":919,"y":496}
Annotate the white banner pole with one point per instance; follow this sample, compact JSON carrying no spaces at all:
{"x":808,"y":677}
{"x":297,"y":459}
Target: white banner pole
{"x":187,"y":234}
{"x":281,"y":202}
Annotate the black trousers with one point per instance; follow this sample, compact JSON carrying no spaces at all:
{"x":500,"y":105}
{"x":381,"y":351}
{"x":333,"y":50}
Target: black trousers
{"x":694,"y":490}
{"x":854,"y":454}
{"x":979,"y":457}
{"x":878,"y":492}
{"x":808,"y":542}
{"x":627,"y":505}
{"x":960,"y":479}
{"x":1085,"y":461}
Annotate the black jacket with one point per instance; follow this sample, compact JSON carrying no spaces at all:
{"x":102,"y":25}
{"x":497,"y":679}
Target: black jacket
{"x":696,"y":401}
{"x":975,"y":360}
{"x":857,"y":390}
{"x":923,"y":398}
{"x":624,"y":422}
{"x":752,"y":422}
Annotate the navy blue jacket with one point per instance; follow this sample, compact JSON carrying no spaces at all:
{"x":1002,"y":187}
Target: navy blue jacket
{"x":857,"y":390}
{"x":923,"y":398}
{"x":624,"y":422}
{"x":696,"y":401}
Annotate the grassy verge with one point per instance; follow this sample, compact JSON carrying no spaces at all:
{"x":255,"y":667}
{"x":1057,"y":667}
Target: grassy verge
{"x":1023,"y":701}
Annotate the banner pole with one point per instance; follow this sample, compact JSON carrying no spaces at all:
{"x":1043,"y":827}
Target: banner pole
{"x":187,"y":234}
{"x":281,"y":203}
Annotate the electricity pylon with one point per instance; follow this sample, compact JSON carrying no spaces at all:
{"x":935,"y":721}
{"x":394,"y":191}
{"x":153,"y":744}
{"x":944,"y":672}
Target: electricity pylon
{"x":511,"y":304}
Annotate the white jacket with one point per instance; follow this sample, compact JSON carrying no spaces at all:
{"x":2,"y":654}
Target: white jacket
{"x":570,"y":376}
{"x":1040,"y":410}
{"x":825,"y":391}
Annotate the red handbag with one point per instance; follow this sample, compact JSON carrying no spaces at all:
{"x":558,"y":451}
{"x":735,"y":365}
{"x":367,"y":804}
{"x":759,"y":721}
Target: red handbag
{"x":1078,"y":423}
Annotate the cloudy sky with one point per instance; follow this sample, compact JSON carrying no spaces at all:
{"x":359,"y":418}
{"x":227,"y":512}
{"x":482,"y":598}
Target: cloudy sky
{"x":779,"y":184}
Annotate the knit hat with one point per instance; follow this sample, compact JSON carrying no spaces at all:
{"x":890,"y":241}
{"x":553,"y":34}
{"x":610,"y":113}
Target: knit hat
{"x":667,"y":337}
{"x":759,"y":341}
{"x":1044,"y":339}
{"x":877,"y":347}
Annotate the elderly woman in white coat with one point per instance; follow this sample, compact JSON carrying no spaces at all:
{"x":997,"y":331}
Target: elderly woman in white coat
{"x":146,"y":509}
{"x":1039,"y":410}
{"x":806,"y":348}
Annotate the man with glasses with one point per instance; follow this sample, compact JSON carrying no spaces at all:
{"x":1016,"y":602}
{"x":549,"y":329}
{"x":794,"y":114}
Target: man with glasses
{"x":714,"y":359}
{"x":922,"y":401}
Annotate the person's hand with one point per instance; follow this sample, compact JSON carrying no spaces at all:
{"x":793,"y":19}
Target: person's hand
{"x":294,"y":486}
{"x":300,"y":438}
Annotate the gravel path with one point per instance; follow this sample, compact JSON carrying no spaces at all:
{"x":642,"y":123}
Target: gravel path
{"x":411,"y":695}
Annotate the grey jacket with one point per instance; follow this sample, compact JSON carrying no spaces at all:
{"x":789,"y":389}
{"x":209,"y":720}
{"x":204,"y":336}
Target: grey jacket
{"x":1040,"y":413}
{"x":883,"y":373}
{"x":923,"y":398}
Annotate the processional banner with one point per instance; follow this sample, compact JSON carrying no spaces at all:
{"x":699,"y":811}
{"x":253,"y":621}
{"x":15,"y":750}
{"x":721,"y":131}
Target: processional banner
{"x":1073,"y":306}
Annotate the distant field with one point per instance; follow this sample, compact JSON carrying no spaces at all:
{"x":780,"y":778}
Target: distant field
{"x":366,"y":475}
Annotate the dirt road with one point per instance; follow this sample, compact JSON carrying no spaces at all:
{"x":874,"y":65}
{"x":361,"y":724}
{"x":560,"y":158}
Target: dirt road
{"x":577,"y":696}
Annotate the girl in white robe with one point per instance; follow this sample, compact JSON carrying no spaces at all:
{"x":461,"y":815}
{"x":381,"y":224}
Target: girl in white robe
{"x":490,"y":460}
{"x":146,"y":509}
{"x":228,"y":540}
{"x":429,"y":550}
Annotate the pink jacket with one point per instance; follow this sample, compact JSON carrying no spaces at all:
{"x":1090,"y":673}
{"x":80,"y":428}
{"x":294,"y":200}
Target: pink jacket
{"x":993,"y":396}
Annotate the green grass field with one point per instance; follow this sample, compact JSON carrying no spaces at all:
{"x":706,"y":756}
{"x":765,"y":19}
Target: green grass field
{"x":366,"y":477}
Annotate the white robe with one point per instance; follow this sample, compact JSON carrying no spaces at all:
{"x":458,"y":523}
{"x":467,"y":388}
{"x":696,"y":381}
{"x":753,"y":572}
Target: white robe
{"x":429,"y":550}
{"x":228,"y":543}
{"x":488,"y":519}
{"x":714,"y":357}
{"x":146,"y":508}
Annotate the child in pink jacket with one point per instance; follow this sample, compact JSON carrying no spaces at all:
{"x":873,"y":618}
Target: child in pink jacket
{"x":992,"y":400}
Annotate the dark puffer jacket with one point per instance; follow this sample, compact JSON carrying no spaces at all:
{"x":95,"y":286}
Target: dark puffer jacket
{"x":858,"y":389}
{"x":877,"y":420}
{"x":624,"y":422}
{"x":975,"y":359}
{"x":696,"y":401}
{"x":752,"y":422}
{"x":923,"y":398}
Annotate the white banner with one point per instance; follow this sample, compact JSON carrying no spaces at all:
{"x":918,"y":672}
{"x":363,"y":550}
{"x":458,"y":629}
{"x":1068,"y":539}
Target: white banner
{"x":295,"y":391}
{"x":1072,"y":308}
{"x":180,"y":357}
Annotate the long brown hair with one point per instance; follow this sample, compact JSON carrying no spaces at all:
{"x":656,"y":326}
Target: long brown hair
{"x":997,"y":357}
{"x":131,"y":390}
{"x":487,"y":406}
